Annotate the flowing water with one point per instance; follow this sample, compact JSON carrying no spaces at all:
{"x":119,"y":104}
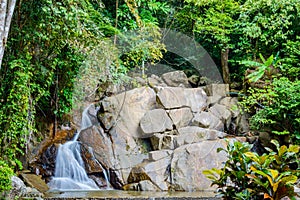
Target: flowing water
{"x":70,"y":173}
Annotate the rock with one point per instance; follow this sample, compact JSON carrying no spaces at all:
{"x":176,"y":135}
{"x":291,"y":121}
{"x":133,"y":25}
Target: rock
{"x":96,"y":145}
{"x":181,"y":117}
{"x":100,"y":181}
{"x":154,"y":80}
{"x":145,"y":185}
{"x":189,"y":135}
{"x":212,"y":100}
{"x":33,"y":193}
{"x":35,"y":181}
{"x":265,"y":138}
{"x":148,"y":186}
{"x":120,"y":116}
{"x":217,"y":89}
{"x":127,"y":154}
{"x":176,"y":79}
{"x":222,"y":113}
{"x":163,"y":141}
{"x":243,"y":124}
{"x":155,"y":121}
{"x":126,"y":110}
{"x":131,"y":187}
{"x":194,"y":134}
{"x":231,"y":104}
{"x":190,"y":160}
{"x":177,"y":97}
{"x":207,"y":120}
{"x":18,"y":188}
{"x":156,"y":172}
{"x":157,"y":155}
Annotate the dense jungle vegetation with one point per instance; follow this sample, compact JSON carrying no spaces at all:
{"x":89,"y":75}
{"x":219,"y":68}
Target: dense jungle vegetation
{"x":49,"y":41}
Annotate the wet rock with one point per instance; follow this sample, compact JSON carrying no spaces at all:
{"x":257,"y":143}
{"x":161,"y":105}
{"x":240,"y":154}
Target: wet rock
{"x":181,"y":117}
{"x":155,"y":121}
{"x":176,"y":79}
{"x":145,"y":185}
{"x":96,"y":147}
{"x":35,"y":181}
{"x":100,"y":181}
{"x":177,"y":97}
{"x":190,"y":160}
{"x":208,"y":120}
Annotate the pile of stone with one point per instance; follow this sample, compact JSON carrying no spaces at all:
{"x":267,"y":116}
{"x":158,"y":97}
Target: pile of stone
{"x":161,"y":136}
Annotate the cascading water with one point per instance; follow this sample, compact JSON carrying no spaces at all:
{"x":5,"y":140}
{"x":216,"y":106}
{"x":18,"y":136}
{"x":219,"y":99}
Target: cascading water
{"x":70,"y":173}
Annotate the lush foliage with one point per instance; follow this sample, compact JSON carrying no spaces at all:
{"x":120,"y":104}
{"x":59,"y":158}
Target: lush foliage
{"x":247,"y":175}
{"x":58,"y":53}
{"x":279,"y":107}
{"x":5,"y":177}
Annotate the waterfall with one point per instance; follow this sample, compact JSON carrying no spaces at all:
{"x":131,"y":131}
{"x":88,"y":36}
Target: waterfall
{"x":70,"y":172}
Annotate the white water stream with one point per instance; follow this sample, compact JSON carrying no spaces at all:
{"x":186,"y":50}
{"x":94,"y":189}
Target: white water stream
{"x":70,"y":173}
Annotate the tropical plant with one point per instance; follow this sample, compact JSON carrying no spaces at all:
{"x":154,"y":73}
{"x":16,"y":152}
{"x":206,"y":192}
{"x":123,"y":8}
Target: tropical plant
{"x":255,"y":176}
{"x":272,"y":172}
{"x":231,"y":180}
{"x":262,"y":68}
{"x":275,"y":108}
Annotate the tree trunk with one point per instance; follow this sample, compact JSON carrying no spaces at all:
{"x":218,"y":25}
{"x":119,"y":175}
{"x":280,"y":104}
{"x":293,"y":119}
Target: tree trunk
{"x":224,"y":64}
{"x":6,"y":12}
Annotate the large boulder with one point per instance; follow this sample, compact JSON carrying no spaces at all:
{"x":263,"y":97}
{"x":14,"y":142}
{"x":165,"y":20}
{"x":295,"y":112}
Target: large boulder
{"x":208,"y":120}
{"x":189,"y":161}
{"x":127,"y":154}
{"x":120,"y":116}
{"x":176,"y":79}
{"x":155,"y":121}
{"x":156,"y":171}
{"x":177,"y":97}
{"x":97,"y":148}
{"x":181,"y":117}
{"x":126,"y":110}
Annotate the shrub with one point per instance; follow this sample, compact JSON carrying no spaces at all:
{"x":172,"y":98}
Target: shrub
{"x":5,"y":177}
{"x":247,"y":175}
{"x":277,"y":108}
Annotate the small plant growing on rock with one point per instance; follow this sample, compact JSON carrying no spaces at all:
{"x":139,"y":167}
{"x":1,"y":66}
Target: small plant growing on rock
{"x":247,"y":175}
